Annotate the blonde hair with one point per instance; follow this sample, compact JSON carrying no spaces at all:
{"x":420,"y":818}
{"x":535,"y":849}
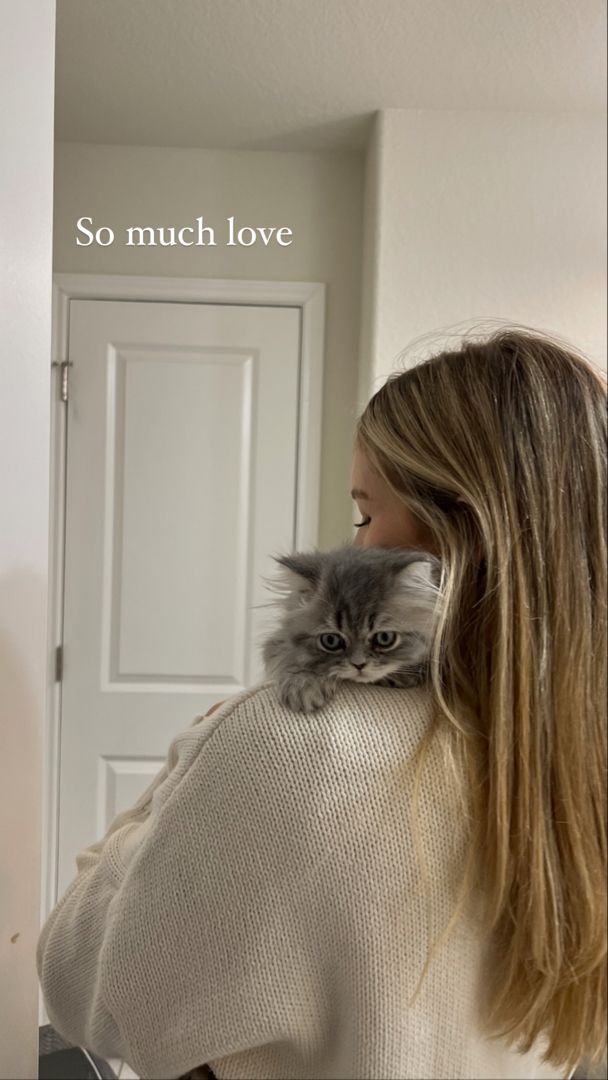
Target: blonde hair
{"x":499,"y":448}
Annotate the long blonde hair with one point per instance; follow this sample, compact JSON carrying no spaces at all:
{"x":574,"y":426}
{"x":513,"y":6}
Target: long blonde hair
{"x":499,"y":449}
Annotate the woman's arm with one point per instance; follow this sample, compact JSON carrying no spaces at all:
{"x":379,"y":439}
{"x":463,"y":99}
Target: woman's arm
{"x":70,"y":943}
{"x":177,"y":910}
{"x":213,"y":708}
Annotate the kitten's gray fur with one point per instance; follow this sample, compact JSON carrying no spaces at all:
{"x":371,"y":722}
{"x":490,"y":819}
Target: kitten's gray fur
{"x":354,"y":593}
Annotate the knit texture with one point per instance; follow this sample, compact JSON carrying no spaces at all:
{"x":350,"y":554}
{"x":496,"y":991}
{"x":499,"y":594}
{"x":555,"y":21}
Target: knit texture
{"x":261,"y":908}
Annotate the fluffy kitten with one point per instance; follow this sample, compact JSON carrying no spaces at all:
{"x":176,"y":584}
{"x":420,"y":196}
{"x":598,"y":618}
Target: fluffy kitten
{"x":364,"y":614}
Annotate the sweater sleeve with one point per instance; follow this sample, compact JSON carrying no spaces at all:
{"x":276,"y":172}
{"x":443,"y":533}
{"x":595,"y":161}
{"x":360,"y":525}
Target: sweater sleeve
{"x":163,"y":947}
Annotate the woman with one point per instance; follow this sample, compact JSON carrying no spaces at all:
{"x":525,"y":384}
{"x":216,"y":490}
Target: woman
{"x":410,"y":882}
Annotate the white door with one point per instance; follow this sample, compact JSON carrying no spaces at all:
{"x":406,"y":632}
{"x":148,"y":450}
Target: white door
{"x":181,"y":483}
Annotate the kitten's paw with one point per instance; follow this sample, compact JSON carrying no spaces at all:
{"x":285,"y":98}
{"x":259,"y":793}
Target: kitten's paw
{"x":305,"y":693}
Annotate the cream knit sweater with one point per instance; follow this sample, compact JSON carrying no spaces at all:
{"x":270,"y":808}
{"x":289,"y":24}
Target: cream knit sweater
{"x":261,"y":908}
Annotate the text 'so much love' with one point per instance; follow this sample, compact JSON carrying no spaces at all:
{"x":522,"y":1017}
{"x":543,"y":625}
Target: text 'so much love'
{"x":197,"y":235}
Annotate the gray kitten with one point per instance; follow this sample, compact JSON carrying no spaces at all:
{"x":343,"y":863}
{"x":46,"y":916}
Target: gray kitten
{"x":364,"y":614}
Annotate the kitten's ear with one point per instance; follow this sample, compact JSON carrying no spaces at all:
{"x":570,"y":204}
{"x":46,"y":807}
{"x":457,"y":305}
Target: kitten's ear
{"x":424,"y":572}
{"x":298,"y":577}
{"x":419,"y":586}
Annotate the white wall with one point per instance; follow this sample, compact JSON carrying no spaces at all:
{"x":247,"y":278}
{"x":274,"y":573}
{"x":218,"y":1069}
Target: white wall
{"x":27,"y":57}
{"x":484,"y":214}
{"x":318,"y":196}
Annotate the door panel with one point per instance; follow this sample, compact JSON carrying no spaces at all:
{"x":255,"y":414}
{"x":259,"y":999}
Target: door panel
{"x":181,"y":484}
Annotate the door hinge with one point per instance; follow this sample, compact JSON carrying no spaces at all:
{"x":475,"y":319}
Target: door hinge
{"x":63,"y":365}
{"x":59,"y":663}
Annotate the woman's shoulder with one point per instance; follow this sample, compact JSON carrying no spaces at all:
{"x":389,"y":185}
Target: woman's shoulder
{"x":318,"y":784}
{"x":360,"y":717}
{"x":352,"y":699}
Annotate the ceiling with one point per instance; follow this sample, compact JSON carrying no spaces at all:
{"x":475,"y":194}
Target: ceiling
{"x":309,"y":74}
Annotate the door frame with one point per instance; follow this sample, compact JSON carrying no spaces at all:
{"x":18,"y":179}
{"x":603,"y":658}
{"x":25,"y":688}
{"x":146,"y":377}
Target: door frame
{"x":309,"y":297}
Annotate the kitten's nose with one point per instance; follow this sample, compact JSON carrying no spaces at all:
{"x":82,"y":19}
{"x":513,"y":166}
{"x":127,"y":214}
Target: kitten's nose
{"x":359,"y":666}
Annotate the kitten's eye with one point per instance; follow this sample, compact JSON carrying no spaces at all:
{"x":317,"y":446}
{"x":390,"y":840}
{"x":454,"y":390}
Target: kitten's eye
{"x":385,"y":639}
{"x":359,"y":524}
{"x":332,"y":642}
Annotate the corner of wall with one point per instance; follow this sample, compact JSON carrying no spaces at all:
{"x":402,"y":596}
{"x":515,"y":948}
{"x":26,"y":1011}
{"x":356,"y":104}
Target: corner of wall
{"x":370,"y":259}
